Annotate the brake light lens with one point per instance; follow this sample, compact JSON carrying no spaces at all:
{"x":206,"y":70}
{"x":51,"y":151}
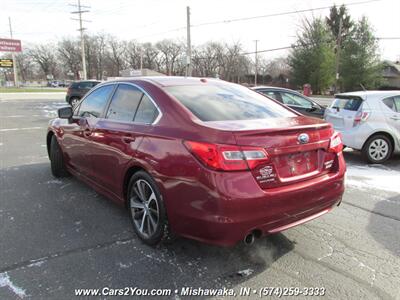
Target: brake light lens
{"x":227,"y":157}
{"x":361,"y":116}
{"x":336,"y":144}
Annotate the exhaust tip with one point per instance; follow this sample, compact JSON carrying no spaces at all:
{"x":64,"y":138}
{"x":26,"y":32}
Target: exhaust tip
{"x":249,"y":239}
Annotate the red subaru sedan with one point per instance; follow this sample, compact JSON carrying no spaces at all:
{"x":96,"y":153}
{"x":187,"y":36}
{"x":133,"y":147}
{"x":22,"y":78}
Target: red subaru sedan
{"x":199,"y":158}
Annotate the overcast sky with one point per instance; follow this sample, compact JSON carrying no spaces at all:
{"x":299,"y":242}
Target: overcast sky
{"x":152,"y":20}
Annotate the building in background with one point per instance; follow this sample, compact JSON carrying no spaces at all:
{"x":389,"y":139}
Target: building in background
{"x":391,"y":73}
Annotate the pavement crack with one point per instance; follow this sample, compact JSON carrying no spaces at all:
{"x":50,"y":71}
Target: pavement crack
{"x":26,"y":263}
{"x":373,"y":212}
{"x":373,"y":289}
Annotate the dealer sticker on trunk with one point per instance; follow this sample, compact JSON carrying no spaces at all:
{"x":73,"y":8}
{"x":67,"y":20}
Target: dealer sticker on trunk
{"x":267,"y":174}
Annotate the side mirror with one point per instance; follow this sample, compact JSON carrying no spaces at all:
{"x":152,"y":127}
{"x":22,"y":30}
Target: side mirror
{"x":65,"y":112}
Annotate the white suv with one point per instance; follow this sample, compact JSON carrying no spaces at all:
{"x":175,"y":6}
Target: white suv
{"x":369,"y":121}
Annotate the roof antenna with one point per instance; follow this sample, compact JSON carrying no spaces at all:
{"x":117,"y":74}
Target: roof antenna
{"x":363,"y":87}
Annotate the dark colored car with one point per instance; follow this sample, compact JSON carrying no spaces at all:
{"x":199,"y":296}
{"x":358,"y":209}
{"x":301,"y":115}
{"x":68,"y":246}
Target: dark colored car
{"x":200,"y":158}
{"x":78,"y":89}
{"x":294,"y":100}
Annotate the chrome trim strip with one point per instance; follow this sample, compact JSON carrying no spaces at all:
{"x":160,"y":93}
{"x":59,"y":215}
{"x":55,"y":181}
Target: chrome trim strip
{"x":160,"y":114}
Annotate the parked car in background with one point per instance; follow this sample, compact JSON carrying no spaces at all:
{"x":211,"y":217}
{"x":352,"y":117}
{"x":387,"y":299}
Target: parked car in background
{"x":78,"y":89}
{"x":56,"y":83}
{"x":294,"y":100}
{"x":202,"y":158}
{"x":369,"y":121}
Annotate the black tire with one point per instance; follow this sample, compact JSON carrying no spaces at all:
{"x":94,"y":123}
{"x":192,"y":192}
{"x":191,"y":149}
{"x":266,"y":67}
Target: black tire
{"x":377,"y":149}
{"x":74,"y":101}
{"x":57,"y":159}
{"x":145,"y":216}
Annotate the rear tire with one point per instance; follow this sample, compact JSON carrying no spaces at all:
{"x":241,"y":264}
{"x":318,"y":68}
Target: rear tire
{"x":147,"y":209}
{"x":377,"y":149}
{"x":57,"y":159}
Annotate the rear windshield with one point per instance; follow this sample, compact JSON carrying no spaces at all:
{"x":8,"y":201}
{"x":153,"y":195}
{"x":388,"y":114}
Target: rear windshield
{"x":222,"y":102}
{"x":347,"y":103}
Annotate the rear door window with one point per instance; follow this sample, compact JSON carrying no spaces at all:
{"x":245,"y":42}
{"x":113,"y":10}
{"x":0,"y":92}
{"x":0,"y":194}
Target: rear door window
{"x":397,"y":103}
{"x":147,"y":112}
{"x":86,"y":85}
{"x":295,"y":100}
{"x":389,"y":102}
{"x":271,"y":94}
{"x":221,"y":102}
{"x":124,"y":103}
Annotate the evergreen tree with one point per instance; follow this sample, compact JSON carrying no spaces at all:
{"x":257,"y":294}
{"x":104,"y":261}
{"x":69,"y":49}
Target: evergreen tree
{"x":312,"y":60}
{"x":360,"y":61}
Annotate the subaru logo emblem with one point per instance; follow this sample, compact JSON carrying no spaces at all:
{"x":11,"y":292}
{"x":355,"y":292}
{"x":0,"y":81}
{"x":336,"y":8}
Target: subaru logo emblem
{"x":303,"y":138}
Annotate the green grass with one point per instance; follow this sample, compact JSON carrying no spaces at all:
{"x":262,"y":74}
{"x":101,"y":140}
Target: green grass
{"x":31,"y":90}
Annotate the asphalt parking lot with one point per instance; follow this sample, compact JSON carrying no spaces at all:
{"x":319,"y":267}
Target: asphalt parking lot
{"x":59,"y":235}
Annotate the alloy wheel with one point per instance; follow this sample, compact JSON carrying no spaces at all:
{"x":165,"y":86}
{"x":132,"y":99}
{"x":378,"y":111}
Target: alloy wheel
{"x":144,"y":207}
{"x":378,"y":149}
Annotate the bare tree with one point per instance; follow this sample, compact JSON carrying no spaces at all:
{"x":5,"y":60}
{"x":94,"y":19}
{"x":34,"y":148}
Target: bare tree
{"x":133,"y":53}
{"x":25,"y":65}
{"x":208,"y":59}
{"x":116,"y":55}
{"x":170,"y":52}
{"x":151,"y":58}
{"x":45,"y":57}
{"x":70,"y":56}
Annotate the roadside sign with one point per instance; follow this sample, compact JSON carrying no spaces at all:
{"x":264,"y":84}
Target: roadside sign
{"x":10,"y":45}
{"x":6,"y":63}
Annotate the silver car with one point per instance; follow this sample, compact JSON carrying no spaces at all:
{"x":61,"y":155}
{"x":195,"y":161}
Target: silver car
{"x":369,"y":121}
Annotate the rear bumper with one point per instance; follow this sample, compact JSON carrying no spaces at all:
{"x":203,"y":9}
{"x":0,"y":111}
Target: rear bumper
{"x":237,"y":206}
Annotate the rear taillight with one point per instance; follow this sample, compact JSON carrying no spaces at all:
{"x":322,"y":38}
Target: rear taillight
{"x":68,"y":90}
{"x":227,"y":157}
{"x":361,"y":116}
{"x":336,"y":144}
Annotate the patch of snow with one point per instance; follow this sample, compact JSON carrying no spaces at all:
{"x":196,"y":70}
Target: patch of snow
{"x":245,"y":273}
{"x":55,"y":181}
{"x":6,"y":282}
{"x":124,"y":266}
{"x":36,"y":264}
{"x":373,"y":177}
{"x":1,"y":144}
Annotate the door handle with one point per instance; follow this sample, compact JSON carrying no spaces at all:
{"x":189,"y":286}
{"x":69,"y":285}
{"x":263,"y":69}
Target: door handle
{"x":128,"y":139}
{"x":87,"y":132}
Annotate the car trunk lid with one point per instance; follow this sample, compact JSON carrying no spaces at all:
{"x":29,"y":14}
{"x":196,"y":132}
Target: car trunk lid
{"x":297,"y":148}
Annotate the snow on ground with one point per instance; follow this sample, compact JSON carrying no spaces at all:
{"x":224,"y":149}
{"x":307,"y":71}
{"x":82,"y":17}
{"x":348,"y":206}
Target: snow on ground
{"x":376,"y":177}
{"x":6,"y":282}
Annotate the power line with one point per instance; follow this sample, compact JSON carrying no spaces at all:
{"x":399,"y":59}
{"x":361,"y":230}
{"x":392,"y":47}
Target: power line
{"x":296,"y":46}
{"x":388,"y":38}
{"x":254,"y":17}
{"x":278,"y":14}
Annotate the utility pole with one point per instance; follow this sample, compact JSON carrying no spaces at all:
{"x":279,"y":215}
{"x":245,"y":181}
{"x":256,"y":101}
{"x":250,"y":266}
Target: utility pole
{"x":13,"y":58}
{"x":256,"y":65}
{"x":81,"y":29}
{"x":141,"y":61}
{"x":338,"y":46}
{"x":189,"y":45}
